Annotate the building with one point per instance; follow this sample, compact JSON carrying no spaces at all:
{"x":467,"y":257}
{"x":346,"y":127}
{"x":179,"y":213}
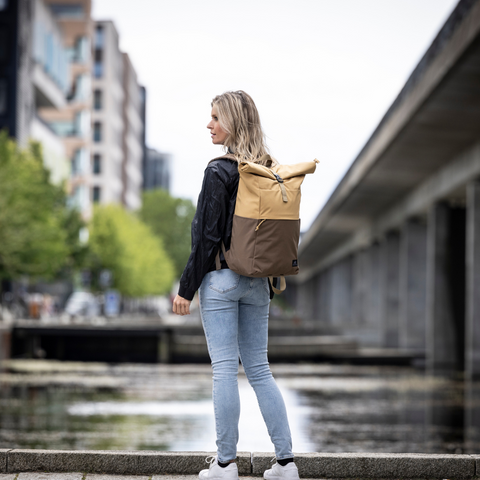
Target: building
{"x":133,"y":137}
{"x":118,"y":128}
{"x":72,"y":123}
{"x":393,"y":258}
{"x":34,"y":75}
{"x":156,"y":173}
{"x":65,"y":82}
{"x":155,"y":165}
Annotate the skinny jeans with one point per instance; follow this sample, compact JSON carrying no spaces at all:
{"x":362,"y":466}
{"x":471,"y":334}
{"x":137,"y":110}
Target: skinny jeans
{"x":234,"y":312}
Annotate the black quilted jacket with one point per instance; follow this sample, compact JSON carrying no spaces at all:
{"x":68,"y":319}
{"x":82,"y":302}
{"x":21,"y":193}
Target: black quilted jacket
{"x":212,"y":223}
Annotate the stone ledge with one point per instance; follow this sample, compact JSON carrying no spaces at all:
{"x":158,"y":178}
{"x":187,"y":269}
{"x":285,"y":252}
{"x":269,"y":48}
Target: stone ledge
{"x":115,"y":462}
{"x":310,"y":465}
{"x":375,"y":465}
{"x":3,"y":459}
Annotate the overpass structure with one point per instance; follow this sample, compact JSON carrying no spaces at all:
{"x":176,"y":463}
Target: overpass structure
{"x":393,"y":258}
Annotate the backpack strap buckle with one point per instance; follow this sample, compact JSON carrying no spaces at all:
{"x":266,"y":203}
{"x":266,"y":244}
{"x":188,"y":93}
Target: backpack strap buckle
{"x":282,"y":187}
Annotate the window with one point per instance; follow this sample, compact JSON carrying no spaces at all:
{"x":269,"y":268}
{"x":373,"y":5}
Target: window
{"x":97,"y":100}
{"x":63,"y":128}
{"x":98,"y":70}
{"x":97,"y":164}
{"x":76,"y":163}
{"x":98,"y":66}
{"x":97,"y":132}
{"x":3,"y":96}
{"x":66,"y":10}
{"x":82,"y":49}
{"x":99,"y":37}
{"x":4,"y":47}
{"x":99,"y":43}
{"x":96,"y":193}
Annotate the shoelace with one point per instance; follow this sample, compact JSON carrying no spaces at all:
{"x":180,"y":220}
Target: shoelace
{"x":211,"y":460}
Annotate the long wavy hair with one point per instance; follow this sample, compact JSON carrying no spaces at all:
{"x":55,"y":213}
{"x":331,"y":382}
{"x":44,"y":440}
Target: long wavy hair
{"x":238,"y":116}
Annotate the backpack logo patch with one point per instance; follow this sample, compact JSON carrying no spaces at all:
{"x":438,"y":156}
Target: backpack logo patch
{"x":295,"y":263}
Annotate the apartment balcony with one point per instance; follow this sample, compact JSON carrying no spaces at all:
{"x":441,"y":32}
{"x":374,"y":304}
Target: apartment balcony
{"x":47,"y":92}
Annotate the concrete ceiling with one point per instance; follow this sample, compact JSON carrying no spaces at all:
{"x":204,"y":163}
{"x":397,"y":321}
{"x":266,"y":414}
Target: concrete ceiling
{"x":435,"y":118}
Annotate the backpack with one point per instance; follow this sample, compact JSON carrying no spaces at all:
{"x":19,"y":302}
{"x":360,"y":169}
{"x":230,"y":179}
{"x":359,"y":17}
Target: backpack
{"x":266,"y":221}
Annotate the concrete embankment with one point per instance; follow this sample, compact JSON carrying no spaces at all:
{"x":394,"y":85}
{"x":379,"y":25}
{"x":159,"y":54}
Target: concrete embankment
{"x":311,"y":465}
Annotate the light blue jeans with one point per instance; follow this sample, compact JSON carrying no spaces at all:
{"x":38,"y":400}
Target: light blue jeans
{"x":234,"y":313}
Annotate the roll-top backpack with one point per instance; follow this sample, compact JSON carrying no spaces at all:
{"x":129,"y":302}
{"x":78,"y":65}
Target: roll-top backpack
{"x":266,"y":221}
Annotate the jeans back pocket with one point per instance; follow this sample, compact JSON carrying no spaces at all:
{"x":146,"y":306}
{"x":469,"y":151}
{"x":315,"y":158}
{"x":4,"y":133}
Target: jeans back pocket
{"x":223,"y":281}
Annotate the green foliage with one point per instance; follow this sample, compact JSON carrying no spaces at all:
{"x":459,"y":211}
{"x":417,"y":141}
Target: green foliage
{"x":170,"y":219}
{"x":123,"y":244}
{"x":33,"y":237}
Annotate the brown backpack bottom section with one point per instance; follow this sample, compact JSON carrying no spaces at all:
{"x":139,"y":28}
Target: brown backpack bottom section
{"x":264,"y":248}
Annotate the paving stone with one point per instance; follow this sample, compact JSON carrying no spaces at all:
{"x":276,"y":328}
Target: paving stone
{"x":186,"y":477}
{"x":49,"y":476}
{"x":7,"y":476}
{"x":94,"y":476}
{"x":372,"y":465}
{"x":175,"y":477}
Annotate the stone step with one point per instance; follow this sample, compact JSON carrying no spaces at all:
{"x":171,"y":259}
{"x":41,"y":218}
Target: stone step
{"x":162,"y":465}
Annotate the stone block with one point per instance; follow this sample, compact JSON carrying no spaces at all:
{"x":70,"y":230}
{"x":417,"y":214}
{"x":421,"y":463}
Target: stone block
{"x":7,"y":476}
{"x":373,"y":465}
{"x":49,"y":476}
{"x":183,"y":463}
{"x":71,"y":461}
{"x":3,"y":460}
{"x":116,"y":462}
{"x":476,"y":458}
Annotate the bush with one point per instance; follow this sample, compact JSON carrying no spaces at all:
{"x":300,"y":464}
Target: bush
{"x":123,"y":244}
{"x":33,"y":237}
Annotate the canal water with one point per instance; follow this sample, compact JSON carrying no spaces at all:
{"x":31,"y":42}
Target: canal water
{"x":332,"y":408}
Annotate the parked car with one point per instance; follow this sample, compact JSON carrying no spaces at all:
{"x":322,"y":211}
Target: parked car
{"x":82,"y":304}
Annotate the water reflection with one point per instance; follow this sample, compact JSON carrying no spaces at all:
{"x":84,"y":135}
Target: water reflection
{"x":331,"y":408}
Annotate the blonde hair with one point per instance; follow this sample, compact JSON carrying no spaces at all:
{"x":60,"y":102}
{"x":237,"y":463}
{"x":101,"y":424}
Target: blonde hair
{"x":238,"y":116}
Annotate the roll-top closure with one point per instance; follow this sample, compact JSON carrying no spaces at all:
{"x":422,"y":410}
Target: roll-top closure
{"x":283,"y":171}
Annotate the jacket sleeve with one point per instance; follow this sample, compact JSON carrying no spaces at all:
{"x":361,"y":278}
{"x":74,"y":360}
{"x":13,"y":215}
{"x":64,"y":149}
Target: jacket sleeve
{"x":207,"y":231}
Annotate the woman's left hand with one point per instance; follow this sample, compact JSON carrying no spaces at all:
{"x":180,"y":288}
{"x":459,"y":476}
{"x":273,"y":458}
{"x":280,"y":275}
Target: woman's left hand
{"x":181,"y":306}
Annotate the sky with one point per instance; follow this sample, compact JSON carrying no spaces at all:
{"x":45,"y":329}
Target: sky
{"x":321,"y":72}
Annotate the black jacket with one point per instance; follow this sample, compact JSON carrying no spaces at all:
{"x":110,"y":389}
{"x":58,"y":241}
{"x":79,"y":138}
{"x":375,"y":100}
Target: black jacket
{"x":212,"y":223}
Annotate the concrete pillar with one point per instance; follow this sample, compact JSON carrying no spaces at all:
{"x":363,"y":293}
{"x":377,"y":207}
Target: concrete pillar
{"x":472,"y":325}
{"x":341,"y":293}
{"x":361,"y":284}
{"x":316,"y":280}
{"x":375,"y":294}
{"x":321,"y":295}
{"x":472,"y":415}
{"x":413,"y":285}
{"x":445,"y":288}
{"x":390,"y":267}
{"x":5,"y":342}
{"x":305,"y":300}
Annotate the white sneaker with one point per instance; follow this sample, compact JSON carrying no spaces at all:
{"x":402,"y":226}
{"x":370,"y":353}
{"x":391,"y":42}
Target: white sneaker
{"x":277,"y":472}
{"x":216,"y":472}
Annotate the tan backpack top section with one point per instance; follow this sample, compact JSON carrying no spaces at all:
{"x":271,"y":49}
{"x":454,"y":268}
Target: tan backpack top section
{"x":260,"y":198}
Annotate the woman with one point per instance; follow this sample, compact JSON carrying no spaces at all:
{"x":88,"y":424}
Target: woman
{"x":234,"y":308}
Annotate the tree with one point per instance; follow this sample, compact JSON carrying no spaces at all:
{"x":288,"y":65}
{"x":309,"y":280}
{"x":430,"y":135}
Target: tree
{"x":122,"y":243}
{"x":33,"y":238}
{"x":170,"y":219}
